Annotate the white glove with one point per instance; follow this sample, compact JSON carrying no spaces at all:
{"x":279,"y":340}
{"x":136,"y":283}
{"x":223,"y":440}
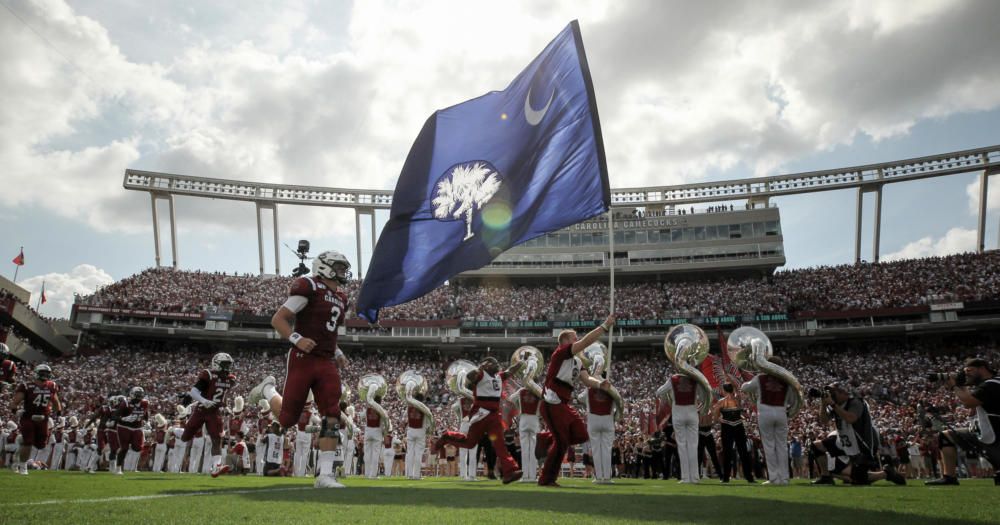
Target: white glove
{"x":207,"y":404}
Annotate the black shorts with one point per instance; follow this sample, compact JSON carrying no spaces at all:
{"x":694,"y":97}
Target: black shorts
{"x":271,"y":466}
{"x":588,"y":461}
{"x":860,"y":466}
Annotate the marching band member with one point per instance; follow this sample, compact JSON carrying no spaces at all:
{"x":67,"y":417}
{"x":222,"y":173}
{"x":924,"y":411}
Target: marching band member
{"x":59,"y":446}
{"x":417,"y":424}
{"x":729,"y":412}
{"x":487,"y":382}
{"x":565,"y":424}
{"x":468,"y":458}
{"x":389,"y":445}
{"x":773,"y":396}
{"x":160,"y":443}
{"x":304,"y":439}
{"x":349,"y":431}
{"x":376,"y":428}
{"x":682,"y":393}
{"x":528,"y":426}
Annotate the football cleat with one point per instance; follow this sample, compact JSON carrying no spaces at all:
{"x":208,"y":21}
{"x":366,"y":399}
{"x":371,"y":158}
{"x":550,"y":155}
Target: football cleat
{"x":512,"y":477}
{"x":946,"y":480}
{"x":824,"y":480}
{"x":257,"y":393}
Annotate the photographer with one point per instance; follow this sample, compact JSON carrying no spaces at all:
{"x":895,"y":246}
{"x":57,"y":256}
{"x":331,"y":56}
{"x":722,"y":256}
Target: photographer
{"x":982,"y":438}
{"x":854,"y":446}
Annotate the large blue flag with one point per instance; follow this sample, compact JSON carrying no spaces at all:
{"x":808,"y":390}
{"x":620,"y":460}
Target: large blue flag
{"x":491,"y":173}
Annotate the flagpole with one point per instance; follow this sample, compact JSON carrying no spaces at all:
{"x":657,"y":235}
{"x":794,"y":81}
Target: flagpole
{"x":38,"y":304}
{"x":611,"y":244}
{"x":17,"y":267}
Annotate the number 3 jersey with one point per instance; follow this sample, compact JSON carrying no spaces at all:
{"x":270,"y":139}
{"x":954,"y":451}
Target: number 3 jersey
{"x":319,"y":315}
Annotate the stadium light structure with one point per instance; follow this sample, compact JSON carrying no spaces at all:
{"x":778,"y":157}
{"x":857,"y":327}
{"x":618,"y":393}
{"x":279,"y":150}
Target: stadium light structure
{"x":870,"y":178}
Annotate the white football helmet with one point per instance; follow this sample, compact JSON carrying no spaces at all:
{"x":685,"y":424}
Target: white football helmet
{"x":4,"y":351}
{"x":137,"y":392}
{"x":43,"y":372}
{"x":221,"y":362}
{"x":326,"y":265}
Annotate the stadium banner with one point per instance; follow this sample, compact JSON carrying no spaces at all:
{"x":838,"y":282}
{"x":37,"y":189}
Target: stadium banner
{"x":431,"y":323}
{"x":492,"y":173}
{"x":129,"y":312}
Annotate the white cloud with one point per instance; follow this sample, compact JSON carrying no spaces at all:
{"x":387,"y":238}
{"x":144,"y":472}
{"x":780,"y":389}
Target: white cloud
{"x":60,"y":288}
{"x":956,"y":240}
{"x":294,"y":94}
{"x":992,"y":195}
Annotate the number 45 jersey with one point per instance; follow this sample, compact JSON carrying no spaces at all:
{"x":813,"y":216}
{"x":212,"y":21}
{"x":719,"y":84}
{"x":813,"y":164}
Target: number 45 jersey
{"x":324,"y":310}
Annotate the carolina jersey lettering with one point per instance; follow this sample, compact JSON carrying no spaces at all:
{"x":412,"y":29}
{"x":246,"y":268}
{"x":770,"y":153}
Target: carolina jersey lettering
{"x":323,"y":313}
{"x":38,"y":398}
{"x":214,"y":387}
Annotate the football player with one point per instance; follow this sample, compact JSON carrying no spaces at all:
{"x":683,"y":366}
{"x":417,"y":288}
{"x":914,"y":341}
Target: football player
{"x":209,"y":395}
{"x":7,"y":368}
{"x":131,"y":414}
{"x":317,"y":308}
{"x":39,"y":398}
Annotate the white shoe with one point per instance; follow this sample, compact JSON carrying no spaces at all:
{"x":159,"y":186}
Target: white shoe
{"x":526,"y":480}
{"x":257,"y":393}
{"x":327,"y":482}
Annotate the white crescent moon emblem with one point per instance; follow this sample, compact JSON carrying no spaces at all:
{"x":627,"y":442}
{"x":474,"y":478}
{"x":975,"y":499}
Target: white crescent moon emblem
{"x":530,"y":114}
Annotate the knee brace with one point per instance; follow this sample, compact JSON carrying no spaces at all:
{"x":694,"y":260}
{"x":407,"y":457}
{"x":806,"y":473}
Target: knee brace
{"x":944,"y":440}
{"x":330,"y":428}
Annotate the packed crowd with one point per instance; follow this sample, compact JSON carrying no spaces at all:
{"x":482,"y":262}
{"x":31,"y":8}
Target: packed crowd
{"x":891,"y":375}
{"x":965,"y":277}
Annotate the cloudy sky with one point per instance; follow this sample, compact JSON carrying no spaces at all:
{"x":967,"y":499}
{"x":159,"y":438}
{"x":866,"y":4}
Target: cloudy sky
{"x":333,"y":93}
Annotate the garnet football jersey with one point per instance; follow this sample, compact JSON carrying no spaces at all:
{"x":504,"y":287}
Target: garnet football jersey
{"x":38,"y":398}
{"x":322,"y":314}
{"x":214,"y":387}
{"x":132,"y":412}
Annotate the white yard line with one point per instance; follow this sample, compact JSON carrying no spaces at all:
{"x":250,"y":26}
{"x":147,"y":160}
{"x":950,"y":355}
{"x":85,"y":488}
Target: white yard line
{"x":153,"y":496}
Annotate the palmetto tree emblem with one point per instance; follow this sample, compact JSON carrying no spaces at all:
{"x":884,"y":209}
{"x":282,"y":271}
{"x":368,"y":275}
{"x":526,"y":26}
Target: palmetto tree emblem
{"x":464,"y":190}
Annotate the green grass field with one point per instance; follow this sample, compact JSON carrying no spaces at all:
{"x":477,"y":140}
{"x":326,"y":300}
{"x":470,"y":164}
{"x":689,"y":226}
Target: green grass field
{"x":60,"y":497}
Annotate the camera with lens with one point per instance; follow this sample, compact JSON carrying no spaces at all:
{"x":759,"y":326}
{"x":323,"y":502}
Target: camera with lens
{"x":959,"y":377}
{"x":819,"y":393}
